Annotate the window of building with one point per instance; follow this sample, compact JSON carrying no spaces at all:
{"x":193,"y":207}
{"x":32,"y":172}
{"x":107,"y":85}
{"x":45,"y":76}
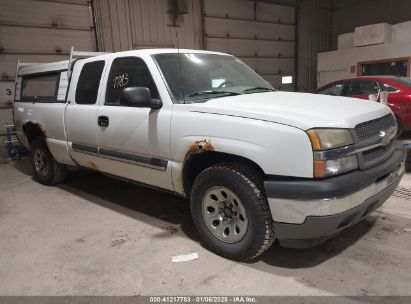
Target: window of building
{"x":88,"y":82}
{"x":396,"y":68}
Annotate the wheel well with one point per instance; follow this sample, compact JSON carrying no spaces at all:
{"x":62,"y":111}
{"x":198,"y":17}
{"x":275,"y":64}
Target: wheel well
{"x":33,"y":130}
{"x":196,"y":163}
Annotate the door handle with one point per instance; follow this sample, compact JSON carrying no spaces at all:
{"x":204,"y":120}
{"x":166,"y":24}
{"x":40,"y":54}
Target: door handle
{"x":103,"y":121}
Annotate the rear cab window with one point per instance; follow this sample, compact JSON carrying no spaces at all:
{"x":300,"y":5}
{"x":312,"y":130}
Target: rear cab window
{"x":88,"y":82}
{"x":40,"y":88}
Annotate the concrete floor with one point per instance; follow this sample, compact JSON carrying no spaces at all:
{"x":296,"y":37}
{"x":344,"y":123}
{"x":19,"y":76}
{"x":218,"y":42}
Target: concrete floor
{"x":94,"y":235}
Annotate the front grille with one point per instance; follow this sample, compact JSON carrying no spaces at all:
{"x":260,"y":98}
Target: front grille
{"x":370,"y":129}
{"x":373,"y":128}
{"x":373,"y":154}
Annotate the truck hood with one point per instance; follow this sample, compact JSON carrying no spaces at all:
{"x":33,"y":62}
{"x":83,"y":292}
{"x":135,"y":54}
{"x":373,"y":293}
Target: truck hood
{"x":300,"y":110}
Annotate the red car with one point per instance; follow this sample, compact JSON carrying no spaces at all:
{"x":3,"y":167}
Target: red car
{"x":398,"y":88}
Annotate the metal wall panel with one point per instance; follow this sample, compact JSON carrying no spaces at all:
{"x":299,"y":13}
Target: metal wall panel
{"x":275,"y":13}
{"x":6,"y":99}
{"x":133,"y":24}
{"x":47,"y":28}
{"x":314,"y":36}
{"x":252,"y":48}
{"x":230,"y":9}
{"x":242,"y":29}
{"x":266,"y":66}
{"x":26,"y":40}
{"x":261,"y":34}
{"x":45,"y":14}
{"x":150,"y":24}
{"x":40,"y":31}
{"x":113,"y":25}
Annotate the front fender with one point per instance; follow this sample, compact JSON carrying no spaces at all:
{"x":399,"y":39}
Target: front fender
{"x":278,"y":149}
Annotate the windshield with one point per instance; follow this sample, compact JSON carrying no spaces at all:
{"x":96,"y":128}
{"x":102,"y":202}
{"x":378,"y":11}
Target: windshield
{"x":403,"y":80}
{"x":198,"y":77}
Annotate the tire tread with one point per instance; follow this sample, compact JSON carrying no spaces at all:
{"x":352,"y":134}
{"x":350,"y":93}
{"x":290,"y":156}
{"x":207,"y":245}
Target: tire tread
{"x":255,"y":181}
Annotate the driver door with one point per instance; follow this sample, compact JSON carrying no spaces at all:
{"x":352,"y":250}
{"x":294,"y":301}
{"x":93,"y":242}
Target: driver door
{"x":134,"y":143}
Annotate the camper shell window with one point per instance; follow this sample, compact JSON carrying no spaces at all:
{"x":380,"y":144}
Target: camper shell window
{"x":40,"y":88}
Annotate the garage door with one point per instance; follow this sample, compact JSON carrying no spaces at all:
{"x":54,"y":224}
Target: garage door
{"x":260,"y":34}
{"x":39,"y":31}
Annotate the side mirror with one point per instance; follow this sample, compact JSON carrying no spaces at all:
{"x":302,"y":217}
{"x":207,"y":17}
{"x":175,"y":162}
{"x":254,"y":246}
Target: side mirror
{"x":139,"y":97}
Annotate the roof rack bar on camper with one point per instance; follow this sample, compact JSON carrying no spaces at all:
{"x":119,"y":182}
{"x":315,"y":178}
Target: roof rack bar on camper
{"x":73,"y":54}
{"x":22,"y":65}
{"x":78,"y":54}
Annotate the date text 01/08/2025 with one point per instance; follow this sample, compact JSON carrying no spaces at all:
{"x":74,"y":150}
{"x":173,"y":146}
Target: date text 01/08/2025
{"x":202,"y":299}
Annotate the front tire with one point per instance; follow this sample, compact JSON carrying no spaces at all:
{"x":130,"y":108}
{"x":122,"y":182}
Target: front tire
{"x":231,"y":212}
{"x":46,"y":169}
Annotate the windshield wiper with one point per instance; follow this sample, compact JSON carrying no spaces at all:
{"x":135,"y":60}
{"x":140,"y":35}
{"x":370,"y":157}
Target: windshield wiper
{"x":259,"y":89}
{"x":212,"y":92}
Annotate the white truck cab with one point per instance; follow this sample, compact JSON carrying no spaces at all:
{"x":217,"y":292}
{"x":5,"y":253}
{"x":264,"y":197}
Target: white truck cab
{"x":257,"y":164}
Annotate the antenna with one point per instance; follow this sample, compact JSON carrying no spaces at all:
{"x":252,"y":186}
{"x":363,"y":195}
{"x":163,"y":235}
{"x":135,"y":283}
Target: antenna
{"x":179,"y":63}
{"x":177,"y":8}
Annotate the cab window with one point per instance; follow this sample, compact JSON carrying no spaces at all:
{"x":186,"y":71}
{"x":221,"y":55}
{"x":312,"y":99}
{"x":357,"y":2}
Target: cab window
{"x":88,"y":82}
{"x":128,"y":72}
{"x":335,"y":89}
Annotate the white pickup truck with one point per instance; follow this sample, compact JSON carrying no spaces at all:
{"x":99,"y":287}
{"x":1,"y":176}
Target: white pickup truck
{"x":257,"y":164}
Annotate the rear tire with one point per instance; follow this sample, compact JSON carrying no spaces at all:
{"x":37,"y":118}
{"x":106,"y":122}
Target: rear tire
{"x":46,"y":169}
{"x":231,"y":212}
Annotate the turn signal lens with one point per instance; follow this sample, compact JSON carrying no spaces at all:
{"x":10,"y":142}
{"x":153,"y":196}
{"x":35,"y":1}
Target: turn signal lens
{"x":319,"y":168}
{"x":315,"y":142}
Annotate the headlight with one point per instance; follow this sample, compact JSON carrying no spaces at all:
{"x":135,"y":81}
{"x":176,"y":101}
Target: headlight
{"x":324,"y":139}
{"x":325,"y":168}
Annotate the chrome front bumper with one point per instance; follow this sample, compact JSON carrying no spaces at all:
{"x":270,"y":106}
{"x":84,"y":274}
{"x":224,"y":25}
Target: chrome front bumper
{"x":306,"y":212}
{"x":295,"y":211}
